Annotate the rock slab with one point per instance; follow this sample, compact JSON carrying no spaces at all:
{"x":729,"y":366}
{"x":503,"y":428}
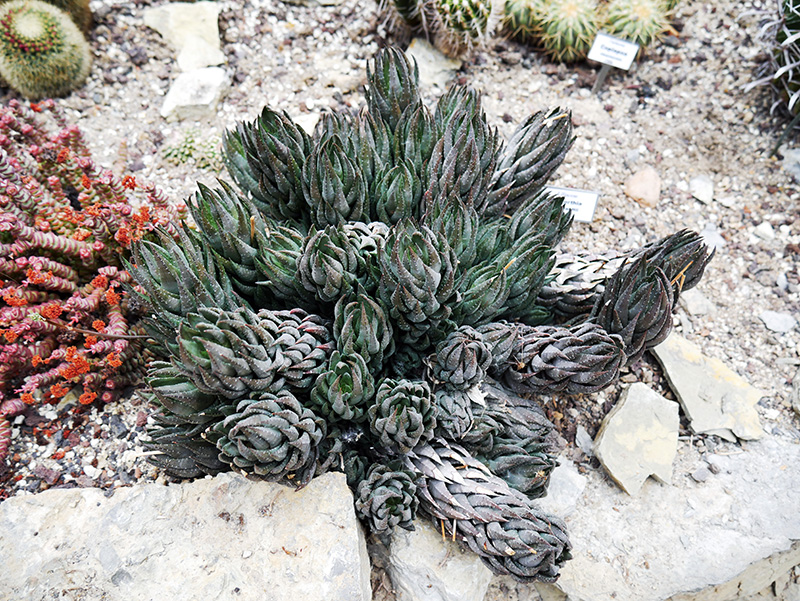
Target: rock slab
{"x":435,"y":69}
{"x":423,"y":567}
{"x":714,"y":397}
{"x":222,"y":538}
{"x":638,"y":438}
{"x":190,"y":28}
{"x":732,"y":535}
{"x":195,"y":95}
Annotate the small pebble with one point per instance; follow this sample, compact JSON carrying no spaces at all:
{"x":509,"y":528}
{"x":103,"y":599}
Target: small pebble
{"x":701,"y":474}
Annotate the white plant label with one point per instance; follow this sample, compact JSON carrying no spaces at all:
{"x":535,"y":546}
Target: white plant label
{"x":613,"y":51}
{"x":582,"y":203}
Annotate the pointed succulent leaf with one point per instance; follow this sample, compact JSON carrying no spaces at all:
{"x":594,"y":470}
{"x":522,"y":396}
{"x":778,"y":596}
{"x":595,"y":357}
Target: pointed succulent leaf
{"x":393,"y":85}
{"x":276,"y":150}
{"x":181,"y":450}
{"x":462,"y":359}
{"x":534,"y":152}
{"x":552,"y":359}
{"x":386,"y":498}
{"x":397,"y":194}
{"x":334,"y":186}
{"x":489,"y":517}
{"x":637,"y":305}
{"x":329,"y":264}
{"x":362,"y":327}
{"x":403,"y":414}
{"x":272,"y":436}
{"x":418,"y":278}
{"x":343,"y":391}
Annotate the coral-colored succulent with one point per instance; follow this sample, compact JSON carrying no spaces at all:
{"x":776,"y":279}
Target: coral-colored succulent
{"x":65,"y":319}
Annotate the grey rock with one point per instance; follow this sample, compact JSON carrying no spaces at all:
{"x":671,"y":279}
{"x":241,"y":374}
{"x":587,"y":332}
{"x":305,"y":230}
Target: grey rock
{"x":724,"y":540}
{"x":424,"y":567}
{"x":791,"y":162}
{"x":314,"y":2}
{"x":638,"y":438}
{"x":727,"y":201}
{"x":714,"y":398}
{"x":712,"y":237}
{"x":219,"y":538}
{"x":584,"y":441}
{"x":702,"y":188}
{"x":435,"y":69}
{"x":564,"y":491}
{"x":194,"y":95}
{"x":701,"y":474}
{"x":765,"y":231}
{"x":778,"y":322}
{"x":191,"y":29}
{"x":695,"y":302}
{"x":644,"y":187}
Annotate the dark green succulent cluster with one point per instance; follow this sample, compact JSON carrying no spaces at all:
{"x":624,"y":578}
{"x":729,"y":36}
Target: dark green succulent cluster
{"x":373,"y":299}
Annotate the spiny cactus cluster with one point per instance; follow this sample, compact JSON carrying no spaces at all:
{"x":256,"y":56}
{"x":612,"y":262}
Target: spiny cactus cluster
{"x":565,"y":29}
{"x":780,"y":37}
{"x":66,"y":322}
{"x":454,"y":26}
{"x":42,"y":50}
{"x":372,"y":300}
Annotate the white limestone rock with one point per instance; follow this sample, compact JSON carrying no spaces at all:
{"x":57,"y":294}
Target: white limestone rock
{"x":219,"y":538}
{"x":435,"y":69}
{"x":191,"y":29}
{"x":194,"y":95}
{"x":715,"y":398}
{"x":423,"y":567}
{"x":638,"y":438}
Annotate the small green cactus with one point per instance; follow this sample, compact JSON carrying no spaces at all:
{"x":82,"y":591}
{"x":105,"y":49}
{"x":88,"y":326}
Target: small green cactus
{"x":454,"y":26}
{"x":204,"y":153}
{"x":461,"y":25}
{"x":569,"y":28}
{"x":638,"y":21}
{"x":520,"y":21}
{"x":42,"y":51}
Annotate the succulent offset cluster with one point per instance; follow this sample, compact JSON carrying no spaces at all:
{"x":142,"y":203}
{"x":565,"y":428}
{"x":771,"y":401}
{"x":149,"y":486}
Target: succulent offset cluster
{"x":375,"y":299}
{"x":565,"y":29}
{"x":780,"y":37}
{"x":43,"y":52}
{"x":65,"y":322}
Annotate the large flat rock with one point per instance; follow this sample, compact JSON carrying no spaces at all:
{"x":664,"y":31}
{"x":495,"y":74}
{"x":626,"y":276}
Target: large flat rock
{"x":218,"y":539}
{"x":716,"y":399}
{"x":725,"y":538}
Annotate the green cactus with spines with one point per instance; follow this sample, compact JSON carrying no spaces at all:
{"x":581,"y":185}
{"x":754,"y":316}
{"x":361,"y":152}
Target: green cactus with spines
{"x":461,"y":25}
{"x":638,"y":21}
{"x":569,"y":28}
{"x":520,"y":20}
{"x":42,"y":51}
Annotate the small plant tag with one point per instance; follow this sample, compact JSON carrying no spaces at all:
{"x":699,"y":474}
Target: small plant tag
{"x":612,"y":51}
{"x":582,"y":203}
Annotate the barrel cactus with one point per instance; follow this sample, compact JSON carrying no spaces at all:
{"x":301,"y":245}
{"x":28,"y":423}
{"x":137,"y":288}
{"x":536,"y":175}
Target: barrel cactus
{"x":397,"y":286}
{"x":42,"y":51}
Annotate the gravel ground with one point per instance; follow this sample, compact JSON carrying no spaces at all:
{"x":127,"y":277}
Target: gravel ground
{"x":681,"y":110}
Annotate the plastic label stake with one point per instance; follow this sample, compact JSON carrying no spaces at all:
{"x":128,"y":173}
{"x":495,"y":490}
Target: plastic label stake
{"x":582,"y":203}
{"x":611,"y":52}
